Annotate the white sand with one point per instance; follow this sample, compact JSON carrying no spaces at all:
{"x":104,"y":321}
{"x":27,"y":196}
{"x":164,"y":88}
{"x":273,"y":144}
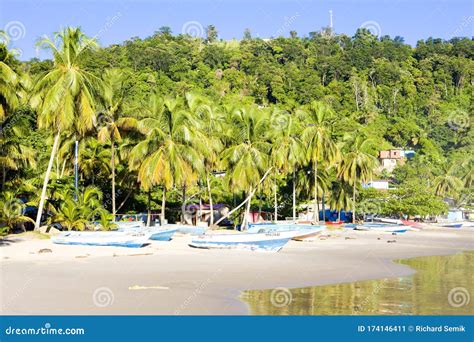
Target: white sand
{"x":172,"y":278}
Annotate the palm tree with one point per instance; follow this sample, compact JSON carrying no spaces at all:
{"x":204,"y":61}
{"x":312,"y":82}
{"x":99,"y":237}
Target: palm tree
{"x":211,"y":123}
{"x":340,"y":197}
{"x":247,"y":158}
{"x":64,"y":95}
{"x":317,"y":137}
{"x":94,"y":158}
{"x":447,"y":183}
{"x":287,"y":149}
{"x":11,"y":214}
{"x":9,"y":81}
{"x":111,"y":119}
{"x":168,"y":154}
{"x":357,"y":165}
{"x":69,"y":215}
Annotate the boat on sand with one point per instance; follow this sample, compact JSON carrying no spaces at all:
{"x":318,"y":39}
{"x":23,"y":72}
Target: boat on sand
{"x":117,"y":239}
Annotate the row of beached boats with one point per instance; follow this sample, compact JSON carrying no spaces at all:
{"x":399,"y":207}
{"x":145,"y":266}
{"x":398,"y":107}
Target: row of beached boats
{"x":265,"y":236}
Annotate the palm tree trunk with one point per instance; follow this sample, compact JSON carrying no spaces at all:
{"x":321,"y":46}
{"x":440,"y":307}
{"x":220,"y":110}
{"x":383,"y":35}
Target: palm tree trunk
{"x":211,"y":206}
{"x":323,"y":207}
{"x":163,"y":204}
{"x":46,"y":181}
{"x":294,"y":196}
{"x":247,"y":211}
{"x":148,"y":217}
{"x":183,"y":206}
{"x":316,"y":205}
{"x":113,"y":178}
{"x":354,"y":201}
{"x":275,"y":201}
{"x":245,"y":201}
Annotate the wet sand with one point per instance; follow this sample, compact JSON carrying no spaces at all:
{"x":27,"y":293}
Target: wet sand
{"x":170,"y":278}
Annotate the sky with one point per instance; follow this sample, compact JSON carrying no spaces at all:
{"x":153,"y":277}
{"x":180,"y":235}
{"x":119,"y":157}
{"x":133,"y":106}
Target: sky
{"x":116,"y":21}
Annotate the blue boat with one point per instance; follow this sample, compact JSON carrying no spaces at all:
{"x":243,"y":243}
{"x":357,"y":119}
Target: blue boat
{"x":157,"y":233}
{"x":452,"y":225}
{"x":273,"y":227}
{"x":186,"y":229}
{"x":272,"y":242}
{"x":162,"y":234}
{"x":115,"y":239}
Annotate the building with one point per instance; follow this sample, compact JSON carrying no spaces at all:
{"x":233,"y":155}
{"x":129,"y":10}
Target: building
{"x":378,"y":184}
{"x":389,"y":159}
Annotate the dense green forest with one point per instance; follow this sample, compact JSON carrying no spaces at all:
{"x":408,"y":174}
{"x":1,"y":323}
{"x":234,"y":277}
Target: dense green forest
{"x":160,"y":121}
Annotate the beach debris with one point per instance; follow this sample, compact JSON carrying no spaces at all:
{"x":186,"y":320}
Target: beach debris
{"x":391,"y":241}
{"x":349,"y":238}
{"x":138,"y":287}
{"x":82,"y":256}
{"x":44,"y":250}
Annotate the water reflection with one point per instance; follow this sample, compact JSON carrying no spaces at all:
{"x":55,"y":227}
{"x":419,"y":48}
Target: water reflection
{"x":443,"y":285}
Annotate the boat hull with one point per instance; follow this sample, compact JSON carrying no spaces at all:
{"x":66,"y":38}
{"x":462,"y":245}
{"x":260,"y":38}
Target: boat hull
{"x":162,"y":235}
{"x":115,"y":239}
{"x":252,"y":242}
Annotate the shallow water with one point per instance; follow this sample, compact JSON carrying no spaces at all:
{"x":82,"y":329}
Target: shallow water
{"x":442,"y":285}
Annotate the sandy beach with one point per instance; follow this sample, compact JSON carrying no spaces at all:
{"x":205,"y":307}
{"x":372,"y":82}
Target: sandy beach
{"x":170,"y":278}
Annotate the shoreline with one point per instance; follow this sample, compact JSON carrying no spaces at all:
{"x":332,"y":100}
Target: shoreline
{"x":170,"y":278}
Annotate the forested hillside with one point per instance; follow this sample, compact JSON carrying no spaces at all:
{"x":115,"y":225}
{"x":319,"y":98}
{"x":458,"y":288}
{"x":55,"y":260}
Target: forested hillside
{"x":170,"y":111}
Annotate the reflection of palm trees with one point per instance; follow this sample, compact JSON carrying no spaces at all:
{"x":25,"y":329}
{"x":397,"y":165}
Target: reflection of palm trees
{"x":64,"y":95}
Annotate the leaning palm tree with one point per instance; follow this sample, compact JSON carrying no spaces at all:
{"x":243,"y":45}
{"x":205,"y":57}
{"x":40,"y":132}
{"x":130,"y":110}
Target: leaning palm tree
{"x":340,"y":198}
{"x":317,"y":136}
{"x":287,"y":149}
{"x":111,"y":118}
{"x":357,"y":165}
{"x":247,"y":158}
{"x":168,"y":155}
{"x":64,"y":96}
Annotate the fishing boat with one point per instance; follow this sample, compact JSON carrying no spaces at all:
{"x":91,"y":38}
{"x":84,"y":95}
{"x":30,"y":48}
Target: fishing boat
{"x":186,"y":229}
{"x":271,"y":242}
{"x":157,"y":233}
{"x":385,"y":227}
{"x":334,"y":223}
{"x":117,"y":239}
{"x":452,"y":225}
{"x":271,"y":227}
{"x":308,"y":234}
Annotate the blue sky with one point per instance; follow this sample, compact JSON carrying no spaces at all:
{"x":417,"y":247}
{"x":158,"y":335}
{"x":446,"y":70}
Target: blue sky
{"x":116,"y":21}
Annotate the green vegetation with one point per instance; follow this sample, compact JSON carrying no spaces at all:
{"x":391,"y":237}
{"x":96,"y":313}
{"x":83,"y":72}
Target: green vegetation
{"x":289,"y":121}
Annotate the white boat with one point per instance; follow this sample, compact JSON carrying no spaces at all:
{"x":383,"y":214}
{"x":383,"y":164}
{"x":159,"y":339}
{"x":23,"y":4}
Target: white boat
{"x":117,"y":239}
{"x":262,"y":242}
